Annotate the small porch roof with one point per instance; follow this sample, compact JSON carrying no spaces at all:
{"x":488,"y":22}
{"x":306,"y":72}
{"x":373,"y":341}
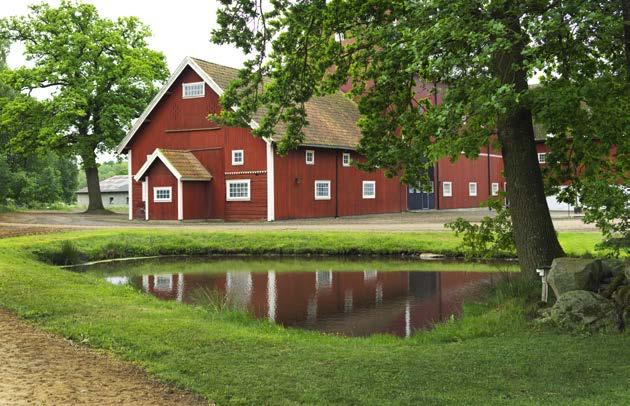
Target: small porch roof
{"x":182,"y":164}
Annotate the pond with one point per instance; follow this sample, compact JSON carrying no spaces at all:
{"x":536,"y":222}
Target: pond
{"x":340,"y":296}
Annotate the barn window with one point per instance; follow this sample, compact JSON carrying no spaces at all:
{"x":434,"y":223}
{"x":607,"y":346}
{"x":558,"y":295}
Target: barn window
{"x":163,"y":283}
{"x":310,"y":157}
{"x":542,"y":157}
{"x":369,"y":189}
{"x":447,"y":189}
{"x":111,"y":200}
{"x":238,"y":190}
{"x":495,"y":189}
{"x":322,"y":190}
{"x":323,"y":279}
{"x":472,"y":189}
{"x":345,"y":159}
{"x":192,"y":90}
{"x":238,"y":157}
{"x":162,"y":194}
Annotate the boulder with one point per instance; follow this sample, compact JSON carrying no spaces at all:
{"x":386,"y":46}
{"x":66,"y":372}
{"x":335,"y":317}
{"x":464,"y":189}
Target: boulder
{"x":579,"y":310}
{"x":622,"y":297}
{"x":567,"y":274}
{"x":613,"y":267}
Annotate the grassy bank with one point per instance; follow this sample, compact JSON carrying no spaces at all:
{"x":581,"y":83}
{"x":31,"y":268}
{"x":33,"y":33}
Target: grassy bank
{"x":492,"y":355}
{"x":107,"y":244}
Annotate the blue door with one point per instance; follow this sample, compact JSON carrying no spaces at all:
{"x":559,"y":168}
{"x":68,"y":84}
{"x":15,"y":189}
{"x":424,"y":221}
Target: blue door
{"x":418,"y":199}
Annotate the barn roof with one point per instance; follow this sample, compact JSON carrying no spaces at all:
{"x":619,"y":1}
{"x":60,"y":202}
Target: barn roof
{"x":182,"y":164}
{"x":115,"y":184}
{"x":332,"y":118}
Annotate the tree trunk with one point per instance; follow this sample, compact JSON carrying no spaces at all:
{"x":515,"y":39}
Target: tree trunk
{"x":536,"y":240}
{"x":93,"y":184}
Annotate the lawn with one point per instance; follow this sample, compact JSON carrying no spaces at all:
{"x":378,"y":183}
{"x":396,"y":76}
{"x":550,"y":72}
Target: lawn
{"x":492,"y":355}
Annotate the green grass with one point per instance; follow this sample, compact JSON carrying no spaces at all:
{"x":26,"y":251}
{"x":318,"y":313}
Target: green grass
{"x":114,"y":243}
{"x":492,"y":355}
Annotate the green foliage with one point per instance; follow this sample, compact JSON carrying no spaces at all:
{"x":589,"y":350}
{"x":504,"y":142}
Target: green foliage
{"x":490,"y":238}
{"x":68,"y":254}
{"x":105,"y":170}
{"x":101,"y":74}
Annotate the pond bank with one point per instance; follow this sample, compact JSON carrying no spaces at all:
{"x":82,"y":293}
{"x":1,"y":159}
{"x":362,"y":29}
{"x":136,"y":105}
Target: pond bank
{"x":492,"y":355}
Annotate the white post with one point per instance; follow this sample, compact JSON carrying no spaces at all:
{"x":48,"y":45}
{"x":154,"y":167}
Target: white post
{"x":543,"y":272}
{"x":180,"y":200}
{"x":271,"y":209}
{"x":146,"y":200}
{"x":130,"y":194}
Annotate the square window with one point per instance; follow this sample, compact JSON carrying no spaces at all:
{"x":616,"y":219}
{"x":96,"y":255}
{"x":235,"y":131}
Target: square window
{"x":162,"y":194}
{"x":323,"y":279}
{"x":447,"y":189}
{"x":369,"y":189}
{"x":310,"y":157}
{"x":472,"y":189}
{"x":542,"y":157}
{"x":193,"y":90}
{"x":163,"y":283}
{"x":345,"y":159}
{"x":237,"y":190}
{"x":322,"y":190}
{"x":238,"y":157}
{"x":495,"y":189}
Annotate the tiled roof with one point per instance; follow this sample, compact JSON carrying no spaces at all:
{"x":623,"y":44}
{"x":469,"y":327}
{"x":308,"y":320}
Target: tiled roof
{"x":115,"y":184}
{"x":186,"y":164}
{"x":332,"y":118}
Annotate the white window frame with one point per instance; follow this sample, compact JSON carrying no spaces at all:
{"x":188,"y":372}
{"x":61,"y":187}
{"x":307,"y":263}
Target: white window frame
{"x":163,"y":283}
{"x":190,"y":85}
{"x":157,"y":199}
{"x":238,"y":198}
{"x":495,"y":188}
{"x":234,"y":161}
{"x":323,"y":280}
{"x":327,"y":182}
{"x":345,"y":159}
{"x":450,"y":189}
{"x":470,"y":191}
{"x":542,"y":155}
{"x":312,"y":160}
{"x":367,"y":182}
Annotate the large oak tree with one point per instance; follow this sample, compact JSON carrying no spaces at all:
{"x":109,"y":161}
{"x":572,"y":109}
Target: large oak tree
{"x":484,"y":51}
{"x":100,"y":74}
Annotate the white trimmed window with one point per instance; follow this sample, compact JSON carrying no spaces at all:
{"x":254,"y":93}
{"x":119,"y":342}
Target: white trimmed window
{"x":193,"y":90}
{"x":447,"y":189}
{"x":323,"y":279}
{"x":495,"y":189}
{"x":237,"y":190}
{"x":238,"y":157}
{"x":369,"y":189}
{"x":163,"y":283}
{"x":163,"y":194}
{"x":345,"y":159}
{"x":542,"y":157}
{"x":310,"y":157}
{"x":322,"y":190}
{"x":472,"y":189}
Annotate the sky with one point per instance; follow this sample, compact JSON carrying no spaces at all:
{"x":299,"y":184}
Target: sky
{"x":180,"y":28}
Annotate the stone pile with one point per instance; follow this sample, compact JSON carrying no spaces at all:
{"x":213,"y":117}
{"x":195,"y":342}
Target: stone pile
{"x":592,"y":294}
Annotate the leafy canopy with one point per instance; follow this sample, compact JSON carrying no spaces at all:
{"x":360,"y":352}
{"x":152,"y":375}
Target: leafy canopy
{"x":100,"y":74}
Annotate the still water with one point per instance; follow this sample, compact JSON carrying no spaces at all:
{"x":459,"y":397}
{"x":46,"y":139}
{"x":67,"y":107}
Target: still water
{"x":334,"y":296}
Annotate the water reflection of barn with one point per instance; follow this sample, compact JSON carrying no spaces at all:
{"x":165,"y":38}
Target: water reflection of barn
{"x":351,"y":303}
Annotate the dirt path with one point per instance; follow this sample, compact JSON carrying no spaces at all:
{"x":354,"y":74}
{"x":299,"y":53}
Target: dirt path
{"x":37,"y":368}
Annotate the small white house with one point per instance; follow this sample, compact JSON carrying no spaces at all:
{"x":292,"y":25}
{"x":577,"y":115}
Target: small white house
{"x":114,"y":192}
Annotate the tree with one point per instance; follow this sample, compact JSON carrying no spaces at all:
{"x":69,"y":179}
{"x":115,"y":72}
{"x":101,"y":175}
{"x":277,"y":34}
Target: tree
{"x":101,"y":74}
{"x":106,"y":170}
{"x":483,"y":51}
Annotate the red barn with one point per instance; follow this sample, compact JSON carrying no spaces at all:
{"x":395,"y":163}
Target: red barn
{"x":181,"y":166}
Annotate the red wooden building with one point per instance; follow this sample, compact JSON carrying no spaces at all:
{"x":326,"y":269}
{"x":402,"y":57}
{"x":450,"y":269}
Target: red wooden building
{"x":182,"y":166}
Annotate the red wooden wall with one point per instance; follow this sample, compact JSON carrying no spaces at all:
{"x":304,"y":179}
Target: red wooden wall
{"x":295,"y":187}
{"x":159,"y":175}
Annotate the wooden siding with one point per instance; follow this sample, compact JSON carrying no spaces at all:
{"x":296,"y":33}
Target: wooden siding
{"x":160,"y":176}
{"x":196,"y":200}
{"x":178,"y":123}
{"x":295,"y":187}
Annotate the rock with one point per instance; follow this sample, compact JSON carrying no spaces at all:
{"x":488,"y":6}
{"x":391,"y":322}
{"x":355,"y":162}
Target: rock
{"x":567,"y":274}
{"x":430,"y":255}
{"x":608,"y":290}
{"x":622,"y":297}
{"x":613,"y":267}
{"x":579,"y":310}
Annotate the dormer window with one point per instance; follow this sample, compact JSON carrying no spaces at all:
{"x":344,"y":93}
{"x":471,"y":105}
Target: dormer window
{"x":193,"y":90}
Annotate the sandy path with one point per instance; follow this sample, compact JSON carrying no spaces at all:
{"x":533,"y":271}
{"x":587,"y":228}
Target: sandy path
{"x":37,"y":368}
